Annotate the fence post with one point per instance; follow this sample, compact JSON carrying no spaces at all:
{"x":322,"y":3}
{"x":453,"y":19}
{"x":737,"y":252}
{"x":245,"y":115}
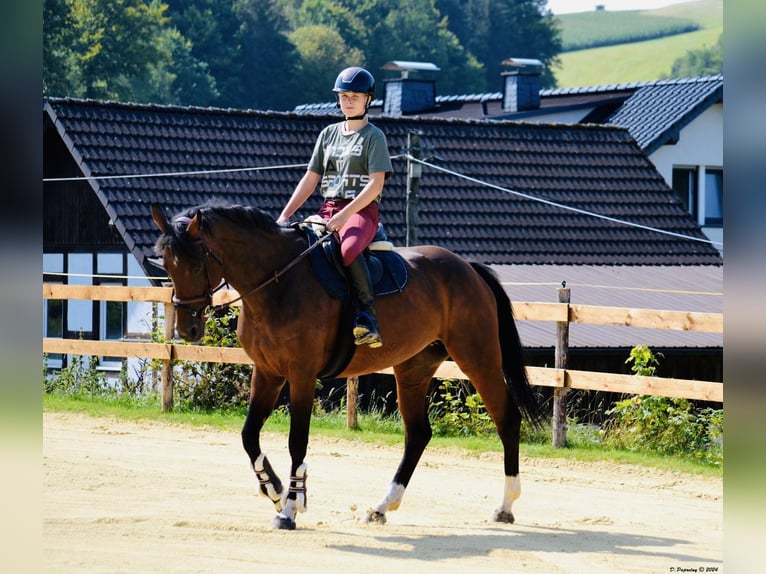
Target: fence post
{"x":167,"y":365}
{"x":352,"y":397}
{"x":560,"y":360}
{"x":414,"y":171}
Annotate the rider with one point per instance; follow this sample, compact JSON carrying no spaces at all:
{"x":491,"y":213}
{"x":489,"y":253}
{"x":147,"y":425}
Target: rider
{"x":350,"y":163}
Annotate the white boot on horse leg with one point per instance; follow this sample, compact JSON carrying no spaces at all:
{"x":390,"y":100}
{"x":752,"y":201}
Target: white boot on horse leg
{"x":294,"y":501}
{"x":511,"y":493}
{"x":390,"y":501}
{"x":270,"y":485}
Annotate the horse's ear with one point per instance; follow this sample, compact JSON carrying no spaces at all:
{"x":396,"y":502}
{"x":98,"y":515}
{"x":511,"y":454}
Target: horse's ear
{"x":159,"y":217}
{"x":192,"y":230}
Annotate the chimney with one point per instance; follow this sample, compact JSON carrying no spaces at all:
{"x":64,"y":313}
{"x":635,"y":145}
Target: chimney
{"x":406,"y":95}
{"x":521,"y":84}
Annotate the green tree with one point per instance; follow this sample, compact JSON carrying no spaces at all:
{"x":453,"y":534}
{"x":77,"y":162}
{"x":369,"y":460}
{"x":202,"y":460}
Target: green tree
{"x":176,"y":78}
{"x":493,"y":30}
{"x":117,"y":41}
{"x":323,"y":53}
{"x":270,"y":63}
{"x":60,"y":68}
{"x":703,"y":62}
{"x":212,"y":28}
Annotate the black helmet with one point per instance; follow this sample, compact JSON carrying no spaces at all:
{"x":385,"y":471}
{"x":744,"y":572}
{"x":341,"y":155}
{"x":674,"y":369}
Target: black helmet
{"x":355,"y":79}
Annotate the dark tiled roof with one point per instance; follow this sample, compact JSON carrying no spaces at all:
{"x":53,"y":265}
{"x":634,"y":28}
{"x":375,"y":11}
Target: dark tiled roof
{"x":656,"y":113}
{"x":591,"y":168}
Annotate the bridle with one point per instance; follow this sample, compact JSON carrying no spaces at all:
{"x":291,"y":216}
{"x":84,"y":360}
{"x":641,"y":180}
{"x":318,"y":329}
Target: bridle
{"x":190,"y":303}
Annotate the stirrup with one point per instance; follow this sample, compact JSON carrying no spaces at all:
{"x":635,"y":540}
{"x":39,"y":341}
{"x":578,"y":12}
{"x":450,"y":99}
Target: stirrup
{"x":365,"y":331}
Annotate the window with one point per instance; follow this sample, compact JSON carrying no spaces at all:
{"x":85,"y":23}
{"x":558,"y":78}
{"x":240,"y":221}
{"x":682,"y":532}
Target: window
{"x":714,"y":197}
{"x":111,"y":266}
{"x":685,"y":187}
{"x":111,"y":329}
{"x":53,"y":309}
{"x":53,"y":326}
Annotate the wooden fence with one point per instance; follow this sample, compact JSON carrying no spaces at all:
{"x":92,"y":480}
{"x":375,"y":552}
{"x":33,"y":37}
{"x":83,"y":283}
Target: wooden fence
{"x":560,"y":378}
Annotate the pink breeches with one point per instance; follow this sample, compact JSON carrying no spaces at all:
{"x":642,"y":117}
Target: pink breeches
{"x":359,"y":231}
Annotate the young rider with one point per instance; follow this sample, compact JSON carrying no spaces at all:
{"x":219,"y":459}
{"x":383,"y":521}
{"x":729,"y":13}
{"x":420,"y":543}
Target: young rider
{"x":350,"y":163}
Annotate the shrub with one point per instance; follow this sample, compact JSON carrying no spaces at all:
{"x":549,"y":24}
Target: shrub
{"x":668,"y":426}
{"x":206,"y":385}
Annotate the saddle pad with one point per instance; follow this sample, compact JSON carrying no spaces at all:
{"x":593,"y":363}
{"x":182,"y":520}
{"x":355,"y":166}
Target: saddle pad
{"x":388,"y":270}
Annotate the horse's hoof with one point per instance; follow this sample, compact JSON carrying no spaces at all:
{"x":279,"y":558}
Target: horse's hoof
{"x":282,"y":522}
{"x":375,"y":517}
{"x":503,"y":516}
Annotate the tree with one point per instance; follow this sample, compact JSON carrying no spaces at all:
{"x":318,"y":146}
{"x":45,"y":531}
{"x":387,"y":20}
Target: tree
{"x":117,"y":40}
{"x":703,"y":62}
{"x":212,"y":28}
{"x":60,"y":68}
{"x":494,"y":30}
{"x":270,"y":64}
{"x":323,"y":53}
{"x":177,"y":78}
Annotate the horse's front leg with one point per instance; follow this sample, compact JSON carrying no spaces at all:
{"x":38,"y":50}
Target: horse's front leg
{"x":301,"y":405}
{"x":412,"y":380}
{"x":264,"y":392}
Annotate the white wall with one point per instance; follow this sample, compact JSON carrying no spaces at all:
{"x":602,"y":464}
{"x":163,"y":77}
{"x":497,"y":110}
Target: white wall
{"x":700,"y":144}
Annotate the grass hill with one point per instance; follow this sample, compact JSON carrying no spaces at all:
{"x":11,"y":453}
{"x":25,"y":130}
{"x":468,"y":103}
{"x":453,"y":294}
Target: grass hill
{"x":626,"y":60}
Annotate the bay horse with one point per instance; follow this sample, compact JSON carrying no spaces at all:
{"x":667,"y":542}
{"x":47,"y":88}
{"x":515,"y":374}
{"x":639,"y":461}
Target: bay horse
{"x":288,"y":326}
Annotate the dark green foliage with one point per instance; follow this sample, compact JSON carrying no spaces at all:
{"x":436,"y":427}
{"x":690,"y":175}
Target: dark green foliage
{"x":457,"y":410}
{"x":275,"y":54}
{"x":703,"y":62}
{"x":208,"y":386}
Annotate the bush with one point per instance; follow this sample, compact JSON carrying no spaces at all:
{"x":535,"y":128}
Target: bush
{"x":458,"y":410}
{"x":668,"y":426}
{"x":208,"y":386}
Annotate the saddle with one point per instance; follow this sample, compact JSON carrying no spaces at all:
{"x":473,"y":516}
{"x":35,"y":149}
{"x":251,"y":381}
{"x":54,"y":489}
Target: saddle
{"x":388,"y":272}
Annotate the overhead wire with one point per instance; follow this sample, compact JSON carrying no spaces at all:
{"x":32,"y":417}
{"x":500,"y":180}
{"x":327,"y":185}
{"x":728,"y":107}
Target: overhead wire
{"x":561,"y":205}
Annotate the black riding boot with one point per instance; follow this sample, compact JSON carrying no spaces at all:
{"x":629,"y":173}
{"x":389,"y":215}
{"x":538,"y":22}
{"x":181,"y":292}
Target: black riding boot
{"x":366,"y":330}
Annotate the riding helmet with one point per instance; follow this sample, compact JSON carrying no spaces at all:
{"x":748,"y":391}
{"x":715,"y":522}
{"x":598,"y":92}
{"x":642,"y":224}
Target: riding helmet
{"x":355,"y":79}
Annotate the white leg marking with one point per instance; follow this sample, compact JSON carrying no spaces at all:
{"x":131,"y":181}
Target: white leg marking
{"x":392,"y":499}
{"x":290,"y":510}
{"x":511,"y":493}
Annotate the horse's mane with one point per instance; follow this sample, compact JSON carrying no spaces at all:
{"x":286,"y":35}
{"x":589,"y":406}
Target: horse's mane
{"x":213,"y":212}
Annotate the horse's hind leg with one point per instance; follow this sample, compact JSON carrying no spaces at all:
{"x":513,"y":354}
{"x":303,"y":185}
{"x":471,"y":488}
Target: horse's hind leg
{"x":413,"y":378}
{"x":492,"y":388}
{"x":481,"y":361}
{"x":264,"y":393}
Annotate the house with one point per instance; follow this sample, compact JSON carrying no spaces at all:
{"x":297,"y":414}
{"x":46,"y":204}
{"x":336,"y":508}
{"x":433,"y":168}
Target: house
{"x":540,"y":202}
{"x":678,"y":123}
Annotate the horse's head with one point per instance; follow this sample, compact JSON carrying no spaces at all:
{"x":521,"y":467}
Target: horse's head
{"x":194,"y":270}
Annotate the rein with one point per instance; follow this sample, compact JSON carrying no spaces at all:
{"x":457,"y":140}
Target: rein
{"x":207,"y":298}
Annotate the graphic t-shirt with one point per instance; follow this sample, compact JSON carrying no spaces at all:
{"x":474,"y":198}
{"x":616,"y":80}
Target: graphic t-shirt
{"x":345,"y":161}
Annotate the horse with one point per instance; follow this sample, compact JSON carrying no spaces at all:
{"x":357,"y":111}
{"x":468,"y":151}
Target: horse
{"x":288,"y":326}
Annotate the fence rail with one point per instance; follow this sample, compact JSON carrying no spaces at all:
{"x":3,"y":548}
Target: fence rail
{"x":525,"y":311}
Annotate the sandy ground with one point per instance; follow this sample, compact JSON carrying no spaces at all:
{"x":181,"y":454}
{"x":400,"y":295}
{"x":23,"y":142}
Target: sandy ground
{"x":151,"y":497}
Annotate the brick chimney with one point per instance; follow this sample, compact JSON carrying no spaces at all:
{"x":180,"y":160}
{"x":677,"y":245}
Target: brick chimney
{"x":521,"y":84}
{"x":406,"y":95}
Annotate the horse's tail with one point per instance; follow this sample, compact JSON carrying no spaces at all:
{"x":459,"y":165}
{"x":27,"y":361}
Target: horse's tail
{"x":512,"y":352}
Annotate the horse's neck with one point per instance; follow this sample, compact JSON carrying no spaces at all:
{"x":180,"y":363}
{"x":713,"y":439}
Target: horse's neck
{"x":251,"y":257}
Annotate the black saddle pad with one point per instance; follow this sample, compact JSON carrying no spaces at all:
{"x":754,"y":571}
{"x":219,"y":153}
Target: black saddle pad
{"x":388,"y":270}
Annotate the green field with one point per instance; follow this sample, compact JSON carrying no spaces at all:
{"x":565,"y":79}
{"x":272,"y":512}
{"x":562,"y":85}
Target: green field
{"x":638,"y":61}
